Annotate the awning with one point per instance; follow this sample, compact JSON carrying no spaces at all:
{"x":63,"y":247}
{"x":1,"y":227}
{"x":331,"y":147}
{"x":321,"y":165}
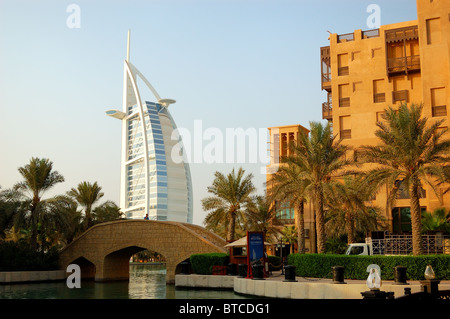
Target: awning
{"x":242,"y":242}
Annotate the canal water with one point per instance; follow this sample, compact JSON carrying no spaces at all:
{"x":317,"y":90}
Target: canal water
{"x":146,"y":282}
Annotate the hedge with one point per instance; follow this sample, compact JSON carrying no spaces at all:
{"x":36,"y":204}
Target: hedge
{"x":355,"y":267}
{"x":201,"y":264}
{"x":19,"y":256}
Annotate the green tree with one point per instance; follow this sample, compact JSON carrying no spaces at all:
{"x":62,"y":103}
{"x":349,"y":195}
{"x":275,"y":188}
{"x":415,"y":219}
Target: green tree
{"x":436,"y":221}
{"x":86,"y":194}
{"x":319,"y":157}
{"x":290,"y":235}
{"x":108,"y":211}
{"x":287,"y":185}
{"x":39,"y":177}
{"x":409,"y":153}
{"x":348,"y":211}
{"x":262,"y":217}
{"x":232,"y":195}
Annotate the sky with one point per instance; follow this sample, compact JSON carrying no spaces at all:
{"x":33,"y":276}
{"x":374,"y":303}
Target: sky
{"x":229,"y":64}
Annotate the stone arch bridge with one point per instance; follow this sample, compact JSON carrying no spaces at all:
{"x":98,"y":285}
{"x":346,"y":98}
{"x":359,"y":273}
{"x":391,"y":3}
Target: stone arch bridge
{"x":103,"y":251}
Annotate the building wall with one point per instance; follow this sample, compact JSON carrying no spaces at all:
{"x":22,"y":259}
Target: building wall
{"x":367,"y":76}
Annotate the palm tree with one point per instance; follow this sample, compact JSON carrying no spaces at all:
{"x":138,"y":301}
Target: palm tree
{"x":410,"y":153}
{"x":262,"y":217}
{"x":287,"y":185}
{"x":108,"y":211}
{"x":232,"y":196}
{"x":348,"y":211}
{"x":319,"y":158}
{"x":86,"y":194}
{"x":39,"y":177}
{"x":437,"y":221}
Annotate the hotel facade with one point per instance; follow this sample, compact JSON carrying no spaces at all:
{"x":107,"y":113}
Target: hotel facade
{"x":364,"y":72}
{"x":152,"y":185}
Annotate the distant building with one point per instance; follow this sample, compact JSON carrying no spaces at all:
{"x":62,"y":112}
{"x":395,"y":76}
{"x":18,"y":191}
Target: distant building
{"x":280,"y":139}
{"x":364,"y":72}
{"x":152,"y":183}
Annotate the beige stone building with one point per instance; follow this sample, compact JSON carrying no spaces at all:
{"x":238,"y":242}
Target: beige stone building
{"x":366,"y":71}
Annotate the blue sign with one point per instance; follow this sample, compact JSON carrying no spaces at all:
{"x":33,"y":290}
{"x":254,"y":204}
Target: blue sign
{"x":255,"y":245}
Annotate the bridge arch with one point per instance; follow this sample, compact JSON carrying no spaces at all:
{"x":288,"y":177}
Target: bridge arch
{"x":105,"y":249}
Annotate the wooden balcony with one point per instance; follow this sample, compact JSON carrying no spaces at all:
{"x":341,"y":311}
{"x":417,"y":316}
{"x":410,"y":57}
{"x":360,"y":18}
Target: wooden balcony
{"x":406,"y":64}
{"x":325,"y":59}
{"x":327,"y":111}
{"x":402,"y":34}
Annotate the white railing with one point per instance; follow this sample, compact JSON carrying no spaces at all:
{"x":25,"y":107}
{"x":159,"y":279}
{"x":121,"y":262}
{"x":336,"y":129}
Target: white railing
{"x":402,"y":245}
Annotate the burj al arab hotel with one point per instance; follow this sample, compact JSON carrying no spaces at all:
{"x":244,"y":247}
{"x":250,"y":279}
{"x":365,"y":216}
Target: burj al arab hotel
{"x":151,"y":183}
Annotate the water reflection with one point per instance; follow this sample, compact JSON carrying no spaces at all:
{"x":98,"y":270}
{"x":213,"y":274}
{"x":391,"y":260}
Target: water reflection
{"x":146,"y":282}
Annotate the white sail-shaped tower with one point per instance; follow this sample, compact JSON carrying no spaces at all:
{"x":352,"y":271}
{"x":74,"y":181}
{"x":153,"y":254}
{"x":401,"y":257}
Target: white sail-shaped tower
{"x":152,"y":184}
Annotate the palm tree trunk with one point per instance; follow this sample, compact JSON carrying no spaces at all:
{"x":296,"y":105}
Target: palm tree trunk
{"x":231,"y":226}
{"x":416,"y":222}
{"x":320,"y":223}
{"x":301,"y":227}
{"x":349,"y":228}
{"x":34,"y":222}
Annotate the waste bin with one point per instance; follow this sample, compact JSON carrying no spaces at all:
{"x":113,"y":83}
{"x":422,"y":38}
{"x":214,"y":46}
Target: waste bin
{"x":400,"y":275}
{"x":242,"y":270}
{"x":289,"y":275}
{"x":338,"y":275}
{"x":231,"y":269}
{"x":258,"y":272}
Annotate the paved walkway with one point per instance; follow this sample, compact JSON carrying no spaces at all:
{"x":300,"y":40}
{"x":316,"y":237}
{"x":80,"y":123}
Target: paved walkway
{"x":315,"y":288}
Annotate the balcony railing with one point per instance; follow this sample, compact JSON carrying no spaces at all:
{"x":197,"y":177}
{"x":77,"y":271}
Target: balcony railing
{"x":403,"y":64}
{"x":440,"y":110}
{"x":346,"y":134}
{"x":344,"y":102}
{"x":343,"y":70}
{"x":379,"y":98}
{"x":401,"y":95}
{"x":375,"y":33}
{"x":345,"y":37}
{"x":327,"y":111}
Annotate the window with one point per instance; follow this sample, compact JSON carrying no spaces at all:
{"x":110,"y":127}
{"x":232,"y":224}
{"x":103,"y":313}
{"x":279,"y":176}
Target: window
{"x":378,"y":91}
{"x":342,"y":64}
{"x":345,"y":127}
{"x":401,"y":219}
{"x":438,"y":102}
{"x":433,"y":30}
{"x":285,"y":214}
{"x":344,"y":96}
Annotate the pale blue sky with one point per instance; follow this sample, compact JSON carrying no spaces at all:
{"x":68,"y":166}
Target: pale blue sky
{"x":235,"y":63}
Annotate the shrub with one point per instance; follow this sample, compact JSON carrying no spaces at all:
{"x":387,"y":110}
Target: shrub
{"x":202,"y":263}
{"x":21,"y":257}
{"x":355,"y":267}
